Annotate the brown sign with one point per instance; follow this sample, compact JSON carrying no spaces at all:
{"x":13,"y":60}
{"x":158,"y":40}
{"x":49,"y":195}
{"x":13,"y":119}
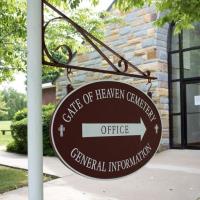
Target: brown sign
{"x":106,"y":129}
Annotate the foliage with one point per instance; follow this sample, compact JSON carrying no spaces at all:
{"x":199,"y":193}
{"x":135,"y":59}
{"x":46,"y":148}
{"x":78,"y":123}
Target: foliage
{"x":74,"y":3}
{"x":19,"y":131}
{"x":184,"y":13}
{"x":19,"y":134}
{"x":3,"y":108}
{"x":14,"y":101}
{"x":61,"y":33}
{"x":20,"y":115}
{"x":49,"y":75}
{"x":12,"y":37}
{"x":13,"y":50}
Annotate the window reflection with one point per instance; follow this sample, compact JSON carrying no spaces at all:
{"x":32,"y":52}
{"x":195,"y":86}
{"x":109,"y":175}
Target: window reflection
{"x":185,"y":66}
{"x":175,"y":66}
{"x":176,"y":130}
{"x":191,"y":63}
{"x":175,"y":42}
{"x":176,"y":97}
{"x":191,"y":38}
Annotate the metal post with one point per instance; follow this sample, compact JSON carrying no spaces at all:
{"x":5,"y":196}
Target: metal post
{"x":34,"y":100}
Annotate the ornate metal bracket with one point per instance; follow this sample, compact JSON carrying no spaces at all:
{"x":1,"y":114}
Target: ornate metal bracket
{"x":121,"y":68}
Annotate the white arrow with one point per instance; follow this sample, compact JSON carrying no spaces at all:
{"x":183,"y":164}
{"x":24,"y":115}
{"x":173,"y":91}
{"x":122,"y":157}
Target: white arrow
{"x":113,"y":129}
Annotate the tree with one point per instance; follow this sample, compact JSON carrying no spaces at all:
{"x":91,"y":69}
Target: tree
{"x":14,"y":101}
{"x":184,"y":13}
{"x":50,"y":75}
{"x":13,"y":51}
{"x":3,"y":108}
{"x":12,"y":37}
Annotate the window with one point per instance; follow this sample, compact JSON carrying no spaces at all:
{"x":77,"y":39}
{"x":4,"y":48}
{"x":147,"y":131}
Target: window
{"x":184,"y":84}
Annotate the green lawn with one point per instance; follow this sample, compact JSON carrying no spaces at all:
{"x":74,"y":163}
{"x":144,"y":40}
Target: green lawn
{"x":11,"y":178}
{"x":5,"y":125}
{"x":7,"y":138}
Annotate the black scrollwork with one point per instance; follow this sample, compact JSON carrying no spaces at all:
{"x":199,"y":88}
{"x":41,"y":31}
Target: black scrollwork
{"x":63,"y":46}
{"x":122,"y":64}
{"x":68,"y":50}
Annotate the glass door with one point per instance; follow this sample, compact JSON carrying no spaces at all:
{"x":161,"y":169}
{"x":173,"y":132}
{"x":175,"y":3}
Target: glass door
{"x":192,"y":115}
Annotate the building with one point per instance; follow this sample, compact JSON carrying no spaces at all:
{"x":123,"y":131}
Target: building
{"x":48,"y":93}
{"x":173,"y":59}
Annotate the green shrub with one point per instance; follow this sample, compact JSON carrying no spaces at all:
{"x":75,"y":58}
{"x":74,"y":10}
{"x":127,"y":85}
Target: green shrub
{"x":19,"y":131}
{"x":21,"y":114}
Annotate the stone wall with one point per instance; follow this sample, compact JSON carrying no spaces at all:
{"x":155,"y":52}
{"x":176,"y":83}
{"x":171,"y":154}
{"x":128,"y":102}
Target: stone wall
{"x":141,"y":43}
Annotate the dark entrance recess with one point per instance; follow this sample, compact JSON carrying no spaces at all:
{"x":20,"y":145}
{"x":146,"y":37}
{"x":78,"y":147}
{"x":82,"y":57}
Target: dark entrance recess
{"x":184,"y":88}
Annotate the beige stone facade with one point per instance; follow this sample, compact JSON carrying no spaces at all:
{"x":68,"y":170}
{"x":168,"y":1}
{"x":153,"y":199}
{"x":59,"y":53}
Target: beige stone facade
{"x":141,"y":43}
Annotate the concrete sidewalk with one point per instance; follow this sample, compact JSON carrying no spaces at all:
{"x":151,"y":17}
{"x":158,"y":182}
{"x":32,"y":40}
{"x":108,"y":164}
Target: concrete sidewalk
{"x":51,"y":165}
{"x":170,"y":175}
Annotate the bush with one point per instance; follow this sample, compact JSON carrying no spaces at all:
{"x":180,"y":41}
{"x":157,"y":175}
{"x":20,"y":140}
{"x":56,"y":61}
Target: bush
{"x":21,"y":114}
{"x":19,"y":131}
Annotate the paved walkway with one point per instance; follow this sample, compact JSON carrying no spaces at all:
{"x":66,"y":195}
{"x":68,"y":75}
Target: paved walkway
{"x":170,"y":175}
{"x":51,"y":165}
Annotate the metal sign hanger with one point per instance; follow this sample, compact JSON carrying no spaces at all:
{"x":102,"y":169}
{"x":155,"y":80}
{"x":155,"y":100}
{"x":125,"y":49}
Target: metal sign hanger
{"x":120,"y":69}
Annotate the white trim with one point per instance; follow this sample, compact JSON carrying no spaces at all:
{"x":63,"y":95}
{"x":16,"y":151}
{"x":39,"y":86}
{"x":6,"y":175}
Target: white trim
{"x":47,"y":85}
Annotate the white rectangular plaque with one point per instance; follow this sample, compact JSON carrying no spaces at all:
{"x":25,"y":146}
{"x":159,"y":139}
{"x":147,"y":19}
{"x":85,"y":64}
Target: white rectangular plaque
{"x":197,"y":100}
{"x":113,"y":129}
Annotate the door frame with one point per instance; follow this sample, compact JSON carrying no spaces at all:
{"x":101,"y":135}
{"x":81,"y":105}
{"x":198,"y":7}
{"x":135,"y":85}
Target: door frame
{"x":179,"y":49}
{"x":184,"y":113}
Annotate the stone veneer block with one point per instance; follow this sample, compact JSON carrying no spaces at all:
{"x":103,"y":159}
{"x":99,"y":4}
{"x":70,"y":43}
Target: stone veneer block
{"x":151,"y":54}
{"x":148,"y":42}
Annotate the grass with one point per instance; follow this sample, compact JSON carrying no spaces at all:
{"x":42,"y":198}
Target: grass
{"x":12,"y":178}
{"x":5,"y":125}
{"x":7,"y":138}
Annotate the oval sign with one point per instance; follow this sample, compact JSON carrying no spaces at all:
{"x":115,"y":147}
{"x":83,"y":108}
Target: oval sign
{"x":106,"y":129}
